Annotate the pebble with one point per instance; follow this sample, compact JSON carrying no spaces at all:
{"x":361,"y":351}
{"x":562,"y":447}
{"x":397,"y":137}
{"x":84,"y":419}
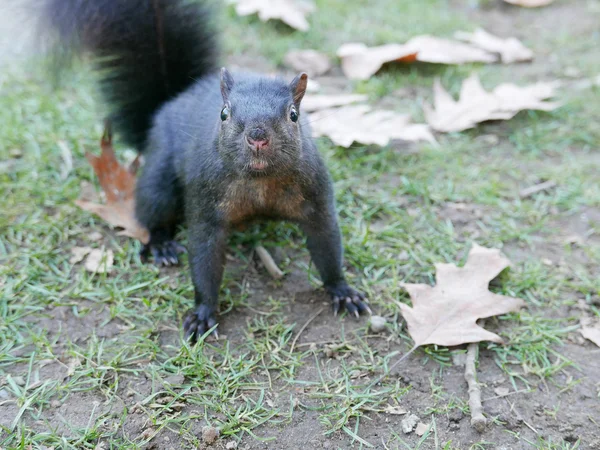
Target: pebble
{"x":409,"y":423}
{"x":377,"y":324}
{"x":231,"y":445}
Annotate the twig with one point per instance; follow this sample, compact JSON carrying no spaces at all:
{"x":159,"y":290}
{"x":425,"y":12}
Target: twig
{"x":478,"y":421}
{"x":532,"y":190}
{"x":268,"y":262}
{"x":313,"y":317}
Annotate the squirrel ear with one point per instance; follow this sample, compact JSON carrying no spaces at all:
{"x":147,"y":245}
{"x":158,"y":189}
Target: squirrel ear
{"x":226,"y":83}
{"x":298,"y":87}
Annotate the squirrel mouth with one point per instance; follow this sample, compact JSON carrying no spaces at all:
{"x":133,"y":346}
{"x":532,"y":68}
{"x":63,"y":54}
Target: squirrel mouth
{"x":258,"y":165}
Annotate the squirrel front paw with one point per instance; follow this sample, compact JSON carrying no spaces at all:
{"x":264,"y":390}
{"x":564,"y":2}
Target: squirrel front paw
{"x":164,"y":253}
{"x":344,"y":296}
{"x":198,"y":321}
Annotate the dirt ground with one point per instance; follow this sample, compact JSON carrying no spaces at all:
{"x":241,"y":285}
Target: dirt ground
{"x":86,"y":370}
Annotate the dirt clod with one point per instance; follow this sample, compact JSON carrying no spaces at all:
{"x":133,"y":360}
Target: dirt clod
{"x":409,"y":424}
{"x":210,"y":435}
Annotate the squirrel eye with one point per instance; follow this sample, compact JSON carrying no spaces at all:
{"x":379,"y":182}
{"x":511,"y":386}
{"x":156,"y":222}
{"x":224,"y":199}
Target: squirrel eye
{"x":224,"y":113}
{"x":294,"y":115}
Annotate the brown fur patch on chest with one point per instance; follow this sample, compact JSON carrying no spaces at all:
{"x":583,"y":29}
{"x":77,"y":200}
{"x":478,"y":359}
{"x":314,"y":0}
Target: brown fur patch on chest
{"x":262,"y":197}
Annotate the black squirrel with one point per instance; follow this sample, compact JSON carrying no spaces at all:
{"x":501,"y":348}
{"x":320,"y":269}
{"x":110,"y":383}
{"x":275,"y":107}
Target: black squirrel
{"x":219,"y":149}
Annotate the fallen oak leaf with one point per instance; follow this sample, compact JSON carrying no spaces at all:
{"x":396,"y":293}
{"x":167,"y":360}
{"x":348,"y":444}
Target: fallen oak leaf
{"x":476,"y":105}
{"x":446,"y":314}
{"x":510,"y":49}
{"x":313,"y":103}
{"x":361,"y":62}
{"x":118,"y":184}
{"x":290,"y":12}
{"x":529,"y":3}
{"x":358,"y":123}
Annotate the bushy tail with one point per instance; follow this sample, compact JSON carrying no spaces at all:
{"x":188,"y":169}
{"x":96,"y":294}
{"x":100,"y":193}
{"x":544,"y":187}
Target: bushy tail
{"x":147,"y":51}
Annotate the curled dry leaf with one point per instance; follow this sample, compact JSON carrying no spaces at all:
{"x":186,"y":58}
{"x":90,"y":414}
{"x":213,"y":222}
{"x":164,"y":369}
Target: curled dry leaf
{"x":529,"y":3}
{"x":510,"y":49}
{"x":99,"y":261}
{"x":590,"y":330}
{"x":118,"y":183}
{"x":312,"y":62}
{"x":291,"y":12}
{"x":446,"y":314}
{"x":476,"y":105}
{"x":358,"y":123}
{"x":395,"y":410}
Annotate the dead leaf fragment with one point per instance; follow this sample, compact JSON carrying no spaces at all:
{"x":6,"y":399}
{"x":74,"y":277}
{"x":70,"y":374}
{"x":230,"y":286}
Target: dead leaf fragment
{"x":529,"y":3}
{"x":590,"y":329}
{"x":99,"y":261}
{"x":510,"y":49}
{"x":312,"y":62}
{"x":421,"y":428}
{"x":118,"y":183}
{"x":290,"y":12}
{"x":446,"y":314}
{"x":360,"y":62}
{"x":476,"y":105}
{"x":358,"y":123}
{"x":395,"y":410}
{"x":78,"y":253}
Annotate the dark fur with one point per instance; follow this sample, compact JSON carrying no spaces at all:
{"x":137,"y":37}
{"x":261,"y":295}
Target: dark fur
{"x":202,"y":169}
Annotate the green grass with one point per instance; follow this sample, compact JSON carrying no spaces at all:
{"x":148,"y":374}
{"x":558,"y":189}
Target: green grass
{"x":396,"y":223}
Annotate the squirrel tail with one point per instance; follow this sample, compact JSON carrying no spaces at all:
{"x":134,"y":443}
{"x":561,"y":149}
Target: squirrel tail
{"x":146,"y":51}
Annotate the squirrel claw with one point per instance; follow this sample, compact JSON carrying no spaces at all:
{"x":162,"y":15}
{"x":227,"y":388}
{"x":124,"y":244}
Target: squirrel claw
{"x":164,"y":254}
{"x":197,"y":322}
{"x":343,"y":296}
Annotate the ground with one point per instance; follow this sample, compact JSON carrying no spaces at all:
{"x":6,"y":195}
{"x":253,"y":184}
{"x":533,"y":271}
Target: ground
{"x":97,"y":361}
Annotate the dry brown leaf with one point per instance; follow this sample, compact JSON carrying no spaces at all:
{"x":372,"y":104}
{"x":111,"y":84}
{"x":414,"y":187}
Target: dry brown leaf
{"x":316,"y":102}
{"x":118,"y":183}
{"x":510,"y":49}
{"x":529,"y":3}
{"x":291,"y":12}
{"x":476,"y":105}
{"x":446,"y":314}
{"x":358,"y":123}
{"x":312,"y":62}
{"x":590,"y":330}
{"x":361,"y":62}
{"x":99,"y":261}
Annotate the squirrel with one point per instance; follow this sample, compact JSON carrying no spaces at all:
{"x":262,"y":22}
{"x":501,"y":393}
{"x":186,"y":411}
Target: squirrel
{"x":220,"y":149}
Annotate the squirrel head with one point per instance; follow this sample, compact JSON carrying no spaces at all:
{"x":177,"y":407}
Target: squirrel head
{"x":261,"y":130}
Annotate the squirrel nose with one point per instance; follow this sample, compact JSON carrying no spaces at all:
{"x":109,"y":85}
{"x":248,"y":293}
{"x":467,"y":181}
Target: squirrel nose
{"x":258,"y":138}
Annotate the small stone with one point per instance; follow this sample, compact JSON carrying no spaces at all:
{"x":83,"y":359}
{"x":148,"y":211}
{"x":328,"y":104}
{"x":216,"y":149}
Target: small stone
{"x":210,"y":434}
{"x":377,"y":324}
{"x":55,"y":404}
{"x":459,"y":357}
{"x":231,"y":445}
{"x":421,"y":428}
{"x":502,"y":391}
{"x":409,"y":423}
{"x":19,"y":380}
{"x":4,"y":395}
{"x":310,"y":61}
